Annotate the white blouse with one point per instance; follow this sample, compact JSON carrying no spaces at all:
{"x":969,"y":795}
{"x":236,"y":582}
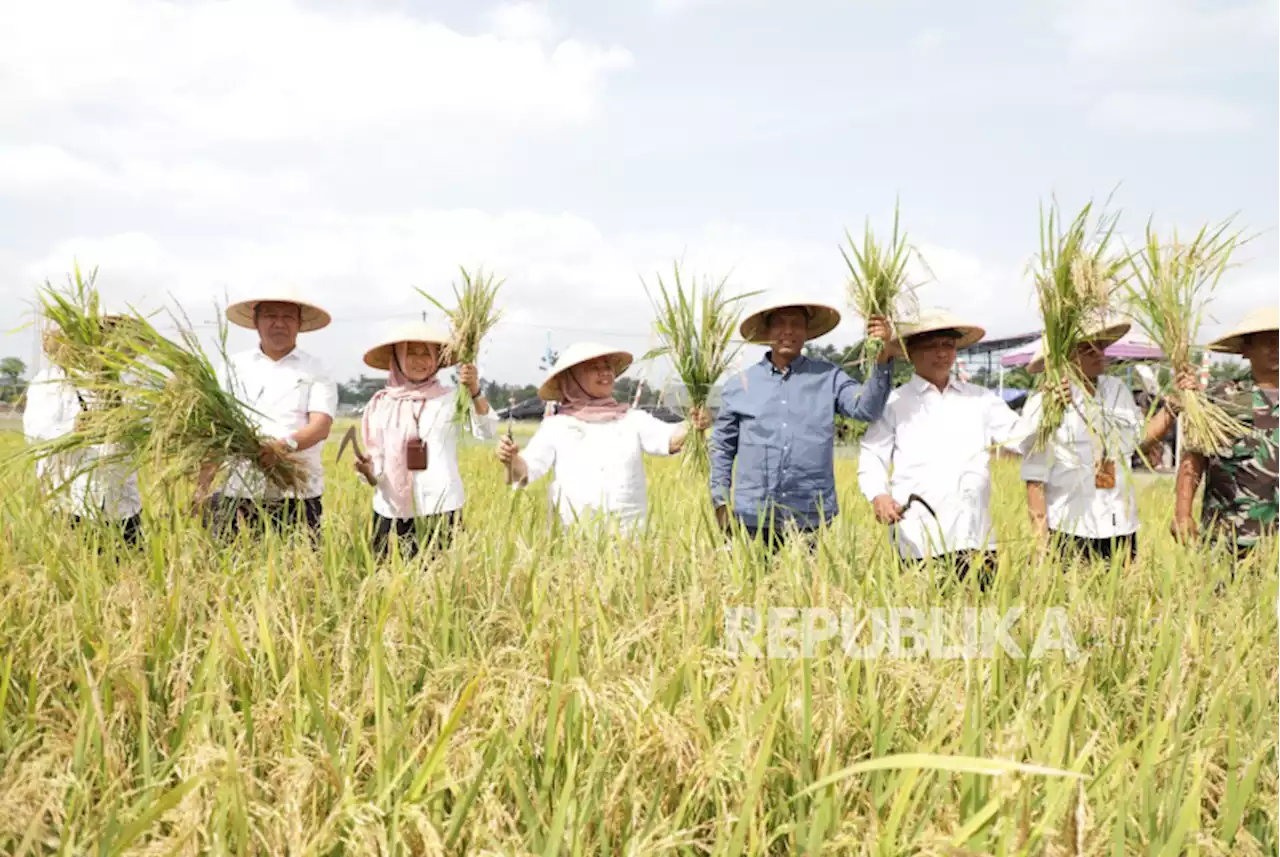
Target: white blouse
{"x":438,"y":489}
{"x":598,"y":467}
{"x":939,"y":446}
{"x":1106,"y":425}
{"x":109,"y":489}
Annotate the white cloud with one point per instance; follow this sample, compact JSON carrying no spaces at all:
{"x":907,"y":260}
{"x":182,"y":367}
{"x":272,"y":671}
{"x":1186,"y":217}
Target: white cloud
{"x":1171,"y":114}
{"x":146,"y":76}
{"x":522,"y":20}
{"x":1162,"y":39}
{"x":928,"y":41}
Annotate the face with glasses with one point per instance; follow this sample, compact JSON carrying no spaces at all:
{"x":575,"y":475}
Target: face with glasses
{"x":1090,"y":358}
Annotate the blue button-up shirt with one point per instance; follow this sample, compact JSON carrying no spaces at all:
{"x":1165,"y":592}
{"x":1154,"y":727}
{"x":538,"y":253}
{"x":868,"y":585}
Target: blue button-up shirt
{"x":780,"y":427}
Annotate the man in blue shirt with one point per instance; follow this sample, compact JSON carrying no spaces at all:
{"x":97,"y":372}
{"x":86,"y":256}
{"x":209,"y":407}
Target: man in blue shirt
{"x":777,"y":420}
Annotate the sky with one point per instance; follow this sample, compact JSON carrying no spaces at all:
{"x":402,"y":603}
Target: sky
{"x":196,"y":151}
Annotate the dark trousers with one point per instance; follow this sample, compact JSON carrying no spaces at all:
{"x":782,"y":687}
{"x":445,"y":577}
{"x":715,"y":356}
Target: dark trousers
{"x":413,"y":534}
{"x":1103,"y":549}
{"x":235,"y":514}
{"x":965,"y":561}
{"x":773,"y":537}
{"x":130,"y":528}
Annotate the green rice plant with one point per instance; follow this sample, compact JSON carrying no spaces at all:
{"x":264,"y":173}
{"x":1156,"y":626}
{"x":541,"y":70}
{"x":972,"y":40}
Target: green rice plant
{"x":153,"y":402}
{"x":1168,"y":290}
{"x":472,"y":316}
{"x":878,"y":283}
{"x":696,"y":330}
{"x":1077,"y":278}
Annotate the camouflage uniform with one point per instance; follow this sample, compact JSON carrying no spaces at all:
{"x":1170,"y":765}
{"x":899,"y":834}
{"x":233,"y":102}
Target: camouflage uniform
{"x":1240,"y":489}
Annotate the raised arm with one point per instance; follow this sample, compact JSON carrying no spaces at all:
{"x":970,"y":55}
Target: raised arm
{"x":869,"y":405}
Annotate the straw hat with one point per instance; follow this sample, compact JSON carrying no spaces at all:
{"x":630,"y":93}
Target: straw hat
{"x":379,"y":357}
{"x":580,"y":352}
{"x":934,"y":320}
{"x":1102,"y":333}
{"x":822,"y":319}
{"x":313,"y":317}
{"x":1260,"y":320}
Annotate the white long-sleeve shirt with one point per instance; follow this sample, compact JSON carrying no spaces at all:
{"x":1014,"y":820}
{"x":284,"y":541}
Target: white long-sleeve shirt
{"x":438,"y":489}
{"x":283,"y":392}
{"x":109,"y":490}
{"x":939,"y":447}
{"x":598,"y":467}
{"x":1066,"y":465}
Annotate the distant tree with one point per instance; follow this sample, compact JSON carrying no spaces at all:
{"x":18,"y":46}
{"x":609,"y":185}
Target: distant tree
{"x":358,"y":391}
{"x":11,"y":384}
{"x":624,"y":390}
{"x":1229,"y":371}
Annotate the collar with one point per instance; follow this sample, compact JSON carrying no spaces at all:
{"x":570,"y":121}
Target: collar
{"x":260,"y":355}
{"x":774,"y":370}
{"x":921,"y":386}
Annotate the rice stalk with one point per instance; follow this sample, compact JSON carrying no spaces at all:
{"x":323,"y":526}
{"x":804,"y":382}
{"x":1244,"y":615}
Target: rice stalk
{"x":472,"y":316}
{"x":878,"y":283}
{"x":150,"y":401}
{"x":696,"y":329}
{"x":1076,"y":279}
{"x":1167,"y":291}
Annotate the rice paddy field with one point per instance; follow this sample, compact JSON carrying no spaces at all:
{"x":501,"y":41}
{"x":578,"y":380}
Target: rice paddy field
{"x":578,"y":695}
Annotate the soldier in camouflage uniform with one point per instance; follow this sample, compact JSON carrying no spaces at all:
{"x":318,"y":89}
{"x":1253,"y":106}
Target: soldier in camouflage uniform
{"x":1241,"y":491}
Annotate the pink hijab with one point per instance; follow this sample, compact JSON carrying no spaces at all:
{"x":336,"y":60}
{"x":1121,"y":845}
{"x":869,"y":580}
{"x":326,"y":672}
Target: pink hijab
{"x":389,"y":421}
{"x":575,"y":401}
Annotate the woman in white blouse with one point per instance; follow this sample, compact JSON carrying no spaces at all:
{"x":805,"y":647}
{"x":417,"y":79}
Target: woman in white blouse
{"x":594,"y":445}
{"x":1080,"y":492}
{"x":420,"y":505}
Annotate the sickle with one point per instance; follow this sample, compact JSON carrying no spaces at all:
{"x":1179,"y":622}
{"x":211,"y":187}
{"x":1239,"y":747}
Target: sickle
{"x":916,"y":498}
{"x":350,"y":438}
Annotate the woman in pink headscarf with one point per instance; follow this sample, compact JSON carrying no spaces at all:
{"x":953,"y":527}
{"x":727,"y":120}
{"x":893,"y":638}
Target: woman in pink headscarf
{"x":594,"y":445}
{"x":411,"y":441}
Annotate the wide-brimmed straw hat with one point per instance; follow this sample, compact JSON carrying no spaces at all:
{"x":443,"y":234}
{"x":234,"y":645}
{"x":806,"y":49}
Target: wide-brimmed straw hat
{"x":1104,"y":334}
{"x":379,"y":356}
{"x":1260,"y":320}
{"x":822,"y":318}
{"x":581,"y":352}
{"x":313,"y":317}
{"x":935,"y":320}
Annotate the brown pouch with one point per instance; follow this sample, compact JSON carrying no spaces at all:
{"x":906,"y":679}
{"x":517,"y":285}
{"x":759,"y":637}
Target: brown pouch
{"x":415,"y":451}
{"x":415,"y":454}
{"x":1104,"y":475}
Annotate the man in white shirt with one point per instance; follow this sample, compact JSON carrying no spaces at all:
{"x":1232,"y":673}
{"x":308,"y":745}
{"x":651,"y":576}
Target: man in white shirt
{"x":1080,"y":492}
{"x":937,"y":434}
{"x":293,"y":401}
{"x":80,"y":486}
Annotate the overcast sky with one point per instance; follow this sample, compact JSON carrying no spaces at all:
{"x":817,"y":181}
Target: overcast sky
{"x":198,"y":148}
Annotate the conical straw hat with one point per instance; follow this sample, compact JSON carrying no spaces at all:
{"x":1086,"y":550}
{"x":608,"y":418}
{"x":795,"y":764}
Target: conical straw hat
{"x":1104,"y":334}
{"x":575,"y":354}
{"x":933,"y":320}
{"x":379,"y":356}
{"x":1260,"y":320}
{"x":822,"y":319}
{"x":313,"y":317}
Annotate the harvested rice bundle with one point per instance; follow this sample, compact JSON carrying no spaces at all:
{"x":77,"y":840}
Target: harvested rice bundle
{"x":878,"y":282}
{"x":473,"y":315}
{"x":1076,"y":279}
{"x":696,"y":329}
{"x":1168,"y":289}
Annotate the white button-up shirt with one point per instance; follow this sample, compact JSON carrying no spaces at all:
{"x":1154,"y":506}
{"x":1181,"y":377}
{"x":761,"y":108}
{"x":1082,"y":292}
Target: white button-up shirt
{"x":1103,"y":426}
{"x":438,"y":489}
{"x":110,"y":490}
{"x":939,"y":444}
{"x":283,"y":392}
{"x":599,"y":467}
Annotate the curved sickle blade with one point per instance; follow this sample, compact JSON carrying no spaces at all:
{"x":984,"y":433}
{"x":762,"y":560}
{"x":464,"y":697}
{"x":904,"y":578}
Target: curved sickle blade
{"x":916,"y":498}
{"x":350,"y":439}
